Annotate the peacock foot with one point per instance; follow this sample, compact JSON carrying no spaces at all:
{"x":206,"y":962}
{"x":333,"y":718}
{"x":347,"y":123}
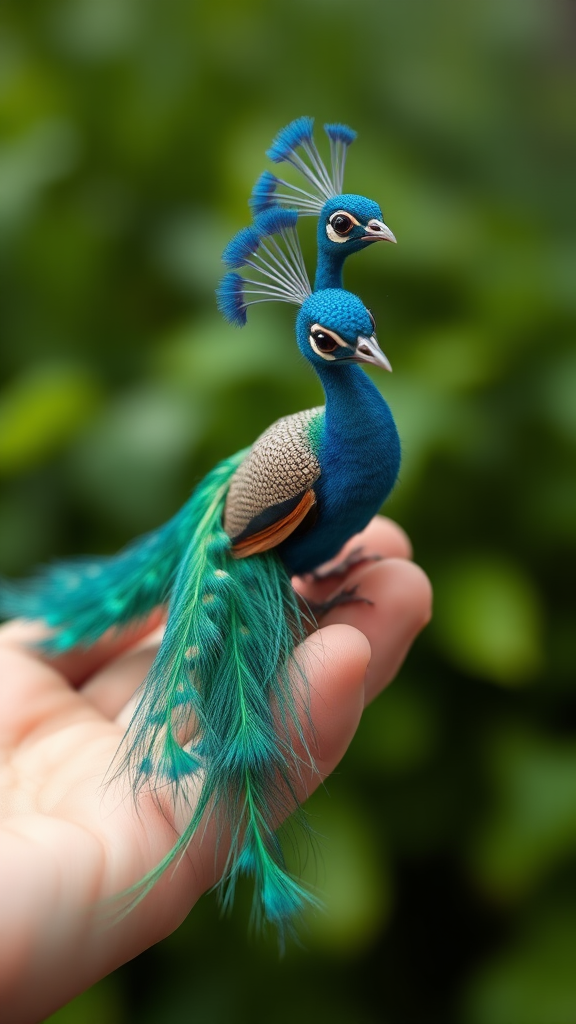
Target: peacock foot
{"x":349,"y":596}
{"x":356,"y":557}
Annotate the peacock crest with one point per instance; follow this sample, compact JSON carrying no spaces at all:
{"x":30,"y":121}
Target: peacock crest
{"x":295,"y":145}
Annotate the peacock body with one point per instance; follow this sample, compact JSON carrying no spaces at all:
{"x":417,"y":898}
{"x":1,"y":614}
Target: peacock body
{"x":219,"y":716}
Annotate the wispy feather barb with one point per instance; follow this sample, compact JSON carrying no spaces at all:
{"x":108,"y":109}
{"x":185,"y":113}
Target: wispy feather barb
{"x":341,"y":136}
{"x":270,"y":246}
{"x":239,"y":249}
{"x":80,"y":599}
{"x":205,"y":724}
{"x":298,"y":135}
{"x":230,"y":299}
{"x":289,"y":138}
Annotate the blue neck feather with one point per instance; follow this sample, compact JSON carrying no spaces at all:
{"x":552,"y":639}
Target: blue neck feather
{"x":360,"y":436}
{"x":329,"y":265}
{"x":359,"y":458}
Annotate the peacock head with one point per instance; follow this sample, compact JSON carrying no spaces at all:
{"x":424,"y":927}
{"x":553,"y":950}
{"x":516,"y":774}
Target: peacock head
{"x":348,"y":223}
{"x":334,"y":327}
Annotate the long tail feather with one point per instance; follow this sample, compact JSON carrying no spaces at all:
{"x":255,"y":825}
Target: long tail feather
{"x":82,"y":598}
{"x":217,"y":716}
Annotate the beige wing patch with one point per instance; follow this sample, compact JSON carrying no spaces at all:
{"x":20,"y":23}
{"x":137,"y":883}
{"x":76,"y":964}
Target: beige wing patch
{"x":280,"y":465}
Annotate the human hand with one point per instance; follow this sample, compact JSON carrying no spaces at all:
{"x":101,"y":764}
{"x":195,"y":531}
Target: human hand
{"x":67,"y":844}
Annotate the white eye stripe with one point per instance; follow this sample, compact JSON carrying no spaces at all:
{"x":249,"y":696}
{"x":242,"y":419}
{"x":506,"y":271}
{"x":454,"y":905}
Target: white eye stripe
{"x":315,"y":330}
{"x":333,"y":235}
{"x":331,"y":334}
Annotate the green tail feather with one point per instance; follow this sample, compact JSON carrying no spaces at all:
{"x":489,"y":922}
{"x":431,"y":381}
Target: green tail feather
{"x":218,"y":700}
{"x":82,"y":598}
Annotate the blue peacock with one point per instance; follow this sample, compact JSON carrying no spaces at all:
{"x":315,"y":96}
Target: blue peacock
{"x":346,"y":222}
{"x":218,"y":712}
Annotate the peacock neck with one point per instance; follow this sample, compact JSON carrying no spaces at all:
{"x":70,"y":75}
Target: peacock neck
{"x":329,"y":269}
{"x":353,"y":402}
{"x":359,"y":455}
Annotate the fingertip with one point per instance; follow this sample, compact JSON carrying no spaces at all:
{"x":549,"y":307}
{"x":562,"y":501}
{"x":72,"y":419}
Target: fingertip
{"x":335,"y":660}
{"x":392,"y":537}
{"x":414,"y":595}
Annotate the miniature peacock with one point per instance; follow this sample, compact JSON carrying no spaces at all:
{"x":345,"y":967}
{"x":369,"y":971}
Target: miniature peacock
{"x":217,"y":714}
{"x":346,"y":223}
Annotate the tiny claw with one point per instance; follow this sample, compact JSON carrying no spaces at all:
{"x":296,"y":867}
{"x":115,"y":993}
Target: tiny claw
{"x":356,"y":557}
{"x":348,"y":596}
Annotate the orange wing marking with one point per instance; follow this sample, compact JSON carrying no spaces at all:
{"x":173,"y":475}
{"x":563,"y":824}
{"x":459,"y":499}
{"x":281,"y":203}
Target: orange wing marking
{"x":273,"y":535}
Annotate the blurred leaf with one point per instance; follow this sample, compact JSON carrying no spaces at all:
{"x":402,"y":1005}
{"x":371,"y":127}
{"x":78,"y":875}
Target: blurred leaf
{"x":397,"y":733}
{"x":94,"y":31}
{"x":42,"y":411}
{"x":349,"y":875}
{"x":189,"y":245}
{"x":488,"y":619}
{"x":532,"y":980}
{"x":425,"y":422}
{"x":531,"y":824}
{"x":28,"y":527}
{"x":100,"y":1003}
{"x":128,"y":462}
{"x":455,"y":359}
{"x":210,"y":355}
{"x":46,"y":152}
{"x":559,"y":391}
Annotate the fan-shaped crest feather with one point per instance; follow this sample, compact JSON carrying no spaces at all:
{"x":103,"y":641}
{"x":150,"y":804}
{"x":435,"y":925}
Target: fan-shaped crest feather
{"x":230,"y":299}
{"x":289,"y":138}
{"x":274,"y":221}
{"x":270,"y":246}
{"x":298,"y":135}
{"x":239,"y":249}
{"x":340,"y":133}
{"x":263,"y":193}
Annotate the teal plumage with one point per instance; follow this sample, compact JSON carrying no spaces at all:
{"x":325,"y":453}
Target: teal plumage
{"x":219,"y":717}
{"x":207,"y":704}
{"x":80,"y":599}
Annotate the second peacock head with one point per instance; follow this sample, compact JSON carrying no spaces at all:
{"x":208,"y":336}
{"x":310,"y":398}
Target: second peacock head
{"x":334,"y":327}
{"x":346,"y":222}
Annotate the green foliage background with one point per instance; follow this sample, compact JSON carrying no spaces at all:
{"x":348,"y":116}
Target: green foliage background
{"x":132,"y":131}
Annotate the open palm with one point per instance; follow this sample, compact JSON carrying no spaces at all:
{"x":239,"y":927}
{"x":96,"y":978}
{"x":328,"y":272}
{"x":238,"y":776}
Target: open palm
{"x":68,"y":844}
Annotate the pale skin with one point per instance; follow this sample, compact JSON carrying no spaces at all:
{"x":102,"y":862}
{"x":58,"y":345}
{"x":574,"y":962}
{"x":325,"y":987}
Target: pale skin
{"x":67,"y":844}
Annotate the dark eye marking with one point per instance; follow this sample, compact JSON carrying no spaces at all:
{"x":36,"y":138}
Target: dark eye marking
{"x":341,"y":223}
{"x":373,"y":322}
{"x":323,"y":341}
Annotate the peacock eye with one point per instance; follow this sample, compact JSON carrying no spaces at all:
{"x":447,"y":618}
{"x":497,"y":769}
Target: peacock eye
{"x":342,"y":223}
{"x":373,"y":322}
{"x":323,"y":342}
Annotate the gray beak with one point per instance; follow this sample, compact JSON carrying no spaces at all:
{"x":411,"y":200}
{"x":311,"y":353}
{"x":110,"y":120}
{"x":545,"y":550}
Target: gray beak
{"x":369,"y":351}
{"x":379,"y":231}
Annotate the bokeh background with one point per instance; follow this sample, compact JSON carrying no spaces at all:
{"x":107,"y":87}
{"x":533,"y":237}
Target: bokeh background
{"x":132,"y":131}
